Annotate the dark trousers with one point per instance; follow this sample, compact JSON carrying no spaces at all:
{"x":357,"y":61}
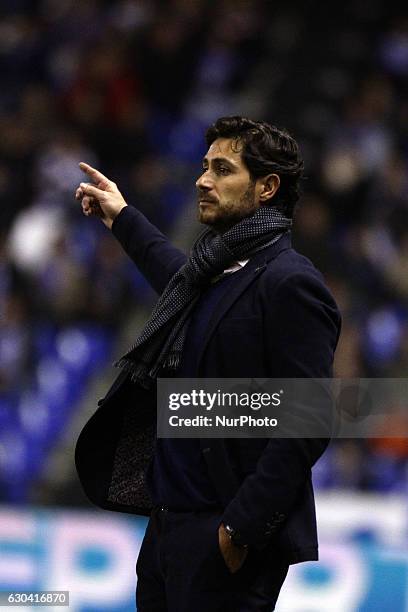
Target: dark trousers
{"x":181,"y":569}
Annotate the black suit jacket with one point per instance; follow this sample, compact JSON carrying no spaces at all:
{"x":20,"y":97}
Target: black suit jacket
{"x":278,"y":321}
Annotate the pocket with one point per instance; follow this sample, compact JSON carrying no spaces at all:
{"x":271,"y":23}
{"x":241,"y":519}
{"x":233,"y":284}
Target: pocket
{"x":218,"y":553}
{"x":220,"y":556}
{"x":214,"y":566}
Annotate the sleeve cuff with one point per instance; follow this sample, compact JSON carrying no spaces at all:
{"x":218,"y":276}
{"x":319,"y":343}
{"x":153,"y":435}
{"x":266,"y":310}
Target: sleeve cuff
{"x":254,"y":536}
{"x":129,"y":225}
{"x":121,"y":221}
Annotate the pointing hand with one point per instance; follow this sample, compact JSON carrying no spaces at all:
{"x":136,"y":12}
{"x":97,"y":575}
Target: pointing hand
{"x":100,"y":198}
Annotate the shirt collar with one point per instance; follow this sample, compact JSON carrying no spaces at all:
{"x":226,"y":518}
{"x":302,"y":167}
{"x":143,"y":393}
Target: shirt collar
{"x":237,"y":265}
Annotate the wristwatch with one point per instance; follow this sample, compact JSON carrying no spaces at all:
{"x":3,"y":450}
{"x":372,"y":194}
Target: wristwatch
{"x":234,"y":536}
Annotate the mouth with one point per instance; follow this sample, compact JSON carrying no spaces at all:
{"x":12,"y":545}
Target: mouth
{"x":206,"y":202}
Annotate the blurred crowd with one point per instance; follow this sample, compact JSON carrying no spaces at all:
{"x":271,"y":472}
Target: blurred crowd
{"x":130,"y":86}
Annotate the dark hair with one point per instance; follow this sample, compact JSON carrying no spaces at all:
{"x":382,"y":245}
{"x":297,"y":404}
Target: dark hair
{"x":266,"y":149}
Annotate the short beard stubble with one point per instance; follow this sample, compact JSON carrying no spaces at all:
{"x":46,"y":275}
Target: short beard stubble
{"x":232,"y":215}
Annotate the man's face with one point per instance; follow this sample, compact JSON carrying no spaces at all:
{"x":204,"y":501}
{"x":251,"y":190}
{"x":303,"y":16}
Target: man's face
{"x":226,"y":193}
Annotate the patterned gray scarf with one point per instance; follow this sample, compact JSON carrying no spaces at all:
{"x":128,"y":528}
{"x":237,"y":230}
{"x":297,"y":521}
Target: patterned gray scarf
{"x":160,"y":344}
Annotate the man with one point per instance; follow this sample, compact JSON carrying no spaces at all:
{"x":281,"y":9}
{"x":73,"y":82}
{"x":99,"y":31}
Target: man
{"x":227,"y":517}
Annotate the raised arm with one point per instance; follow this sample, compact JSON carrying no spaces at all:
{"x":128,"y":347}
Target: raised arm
{"x":151,"y":251}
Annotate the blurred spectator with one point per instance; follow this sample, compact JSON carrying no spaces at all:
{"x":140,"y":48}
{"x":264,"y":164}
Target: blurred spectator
{"x":14,"y":343}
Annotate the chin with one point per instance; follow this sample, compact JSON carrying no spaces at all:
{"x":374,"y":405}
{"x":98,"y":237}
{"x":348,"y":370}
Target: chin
{"x":207,"y":218}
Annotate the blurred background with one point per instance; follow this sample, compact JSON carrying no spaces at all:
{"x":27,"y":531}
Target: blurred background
{"x":130,"y":86}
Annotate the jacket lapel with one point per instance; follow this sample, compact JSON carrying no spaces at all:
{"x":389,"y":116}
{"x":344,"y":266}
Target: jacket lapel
{"x":253,"y":269}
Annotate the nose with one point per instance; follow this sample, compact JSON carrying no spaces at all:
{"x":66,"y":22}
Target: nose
{"x":204,"y":182}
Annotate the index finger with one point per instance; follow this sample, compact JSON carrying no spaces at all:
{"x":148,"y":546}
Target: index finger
{"x":93,"y":173}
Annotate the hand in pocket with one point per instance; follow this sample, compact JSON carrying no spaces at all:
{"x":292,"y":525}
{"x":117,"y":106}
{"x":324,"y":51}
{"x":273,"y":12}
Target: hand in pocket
{"x":234,"y":556}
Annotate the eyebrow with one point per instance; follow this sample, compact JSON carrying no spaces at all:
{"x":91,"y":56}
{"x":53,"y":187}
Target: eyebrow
{"x":221,"y":159}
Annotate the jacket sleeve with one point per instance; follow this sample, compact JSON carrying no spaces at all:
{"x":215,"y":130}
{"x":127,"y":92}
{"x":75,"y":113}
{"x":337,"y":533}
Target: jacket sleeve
{"x":302,"y":326}
{"x":157,"y":259}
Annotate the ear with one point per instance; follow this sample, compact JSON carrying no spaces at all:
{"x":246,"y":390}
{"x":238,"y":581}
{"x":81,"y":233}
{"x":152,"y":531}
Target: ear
{"x":269,"y":186}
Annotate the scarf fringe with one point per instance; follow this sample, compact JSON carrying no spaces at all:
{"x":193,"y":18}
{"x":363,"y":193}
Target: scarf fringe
{"x":139,"y":371}
{"x":172,"y":361}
